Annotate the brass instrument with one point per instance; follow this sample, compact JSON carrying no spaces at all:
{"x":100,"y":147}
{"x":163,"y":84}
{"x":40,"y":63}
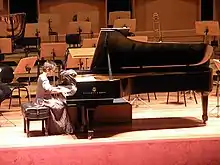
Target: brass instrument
{"x":157,"y":28}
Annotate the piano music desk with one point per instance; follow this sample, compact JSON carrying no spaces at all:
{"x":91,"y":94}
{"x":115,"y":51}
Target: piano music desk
{"x":82,"y":52}
{"x":82,"y":55}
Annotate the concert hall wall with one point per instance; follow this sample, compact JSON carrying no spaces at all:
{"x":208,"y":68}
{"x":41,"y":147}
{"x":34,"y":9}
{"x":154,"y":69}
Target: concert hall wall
{"x":174,"y":14}
{"x":216,"y":10}
{"x":206,"y":10}
{"x":68,"y":8}
{"x":1,"y":5}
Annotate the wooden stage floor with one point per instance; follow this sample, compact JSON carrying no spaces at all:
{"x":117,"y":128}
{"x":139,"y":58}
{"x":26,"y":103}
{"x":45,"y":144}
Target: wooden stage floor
{"x":157,"y":120}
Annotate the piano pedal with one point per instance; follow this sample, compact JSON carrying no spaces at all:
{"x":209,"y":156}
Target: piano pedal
{"x":83,"y":128}
{"x":90,"y":134}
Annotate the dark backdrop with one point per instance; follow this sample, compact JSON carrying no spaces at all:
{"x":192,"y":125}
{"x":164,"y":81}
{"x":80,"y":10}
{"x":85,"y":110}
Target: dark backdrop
{"x":206,"y":10}
{"x":25,"y":6}
{"x":119,"y":5}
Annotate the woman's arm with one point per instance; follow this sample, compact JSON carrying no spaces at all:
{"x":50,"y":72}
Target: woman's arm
{"x":47,"y":87}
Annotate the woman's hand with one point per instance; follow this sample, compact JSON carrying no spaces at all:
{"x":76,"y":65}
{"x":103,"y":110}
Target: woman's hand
{"x":56,"y":90}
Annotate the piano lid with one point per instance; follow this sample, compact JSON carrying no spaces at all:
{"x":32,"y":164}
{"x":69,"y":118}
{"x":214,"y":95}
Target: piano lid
{"x":126,"y":53}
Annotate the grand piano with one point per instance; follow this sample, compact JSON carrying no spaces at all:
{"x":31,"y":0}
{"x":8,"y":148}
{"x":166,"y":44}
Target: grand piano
{"x":122,"y":67}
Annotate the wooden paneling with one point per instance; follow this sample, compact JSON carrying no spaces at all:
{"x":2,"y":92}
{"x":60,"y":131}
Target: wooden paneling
{"x":67,"y":9}
{"x":174,"y":14}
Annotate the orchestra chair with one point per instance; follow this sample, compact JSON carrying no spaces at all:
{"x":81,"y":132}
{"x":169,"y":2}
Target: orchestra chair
{"x":73,"y":40}
{"x":7,"y":76}
{"x":32,"y":112}
{"x":184,"y":96}
{"x":6,"y":45}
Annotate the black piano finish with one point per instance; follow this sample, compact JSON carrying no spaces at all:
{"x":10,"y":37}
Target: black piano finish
{"x":95,"y":93}
{"x":122,"y":67}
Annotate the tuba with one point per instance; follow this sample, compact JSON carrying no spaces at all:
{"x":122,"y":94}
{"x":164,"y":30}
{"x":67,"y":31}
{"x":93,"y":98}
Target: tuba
{"x":14,"y":25}
{"x":157,"y":28}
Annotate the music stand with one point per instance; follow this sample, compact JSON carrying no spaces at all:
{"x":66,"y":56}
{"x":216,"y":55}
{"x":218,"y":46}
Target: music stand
{"x":207,"y":28}
{"x":82,"y":27}
{"x":30,"y":30}
{"x":128,"y":23}
{"x":24,"y":66}
{"x":90,"y":16}
{"x":54,"y":51}
{"x":72,"y":63}
{"x":6,"y":45}
{"x":118,"y":15}
{"x":82,"y":54}
{"x":51,"y":51}
{"x":217,"y":107}
{"x":52,"y":19}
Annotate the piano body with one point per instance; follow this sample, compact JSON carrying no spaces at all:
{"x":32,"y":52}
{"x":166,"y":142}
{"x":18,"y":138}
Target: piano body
{"x":122,"y":67}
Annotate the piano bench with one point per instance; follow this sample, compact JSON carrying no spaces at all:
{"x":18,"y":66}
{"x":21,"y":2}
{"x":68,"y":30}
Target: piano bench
{"x":32,"y":112}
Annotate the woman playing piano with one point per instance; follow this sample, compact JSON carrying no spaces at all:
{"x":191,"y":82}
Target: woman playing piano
{"x":47,"y":95}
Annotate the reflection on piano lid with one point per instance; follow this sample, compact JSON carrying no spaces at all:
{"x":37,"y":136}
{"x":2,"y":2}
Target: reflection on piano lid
{"x":126,"y":53}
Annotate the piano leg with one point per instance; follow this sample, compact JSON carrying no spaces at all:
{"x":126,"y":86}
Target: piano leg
{"x":81,"y":118}
{"x":90,"y":119}
{"x":205,"y":106}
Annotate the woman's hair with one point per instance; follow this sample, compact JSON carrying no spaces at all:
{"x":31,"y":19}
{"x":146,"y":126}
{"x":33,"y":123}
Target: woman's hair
{"x":49,"y":65}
